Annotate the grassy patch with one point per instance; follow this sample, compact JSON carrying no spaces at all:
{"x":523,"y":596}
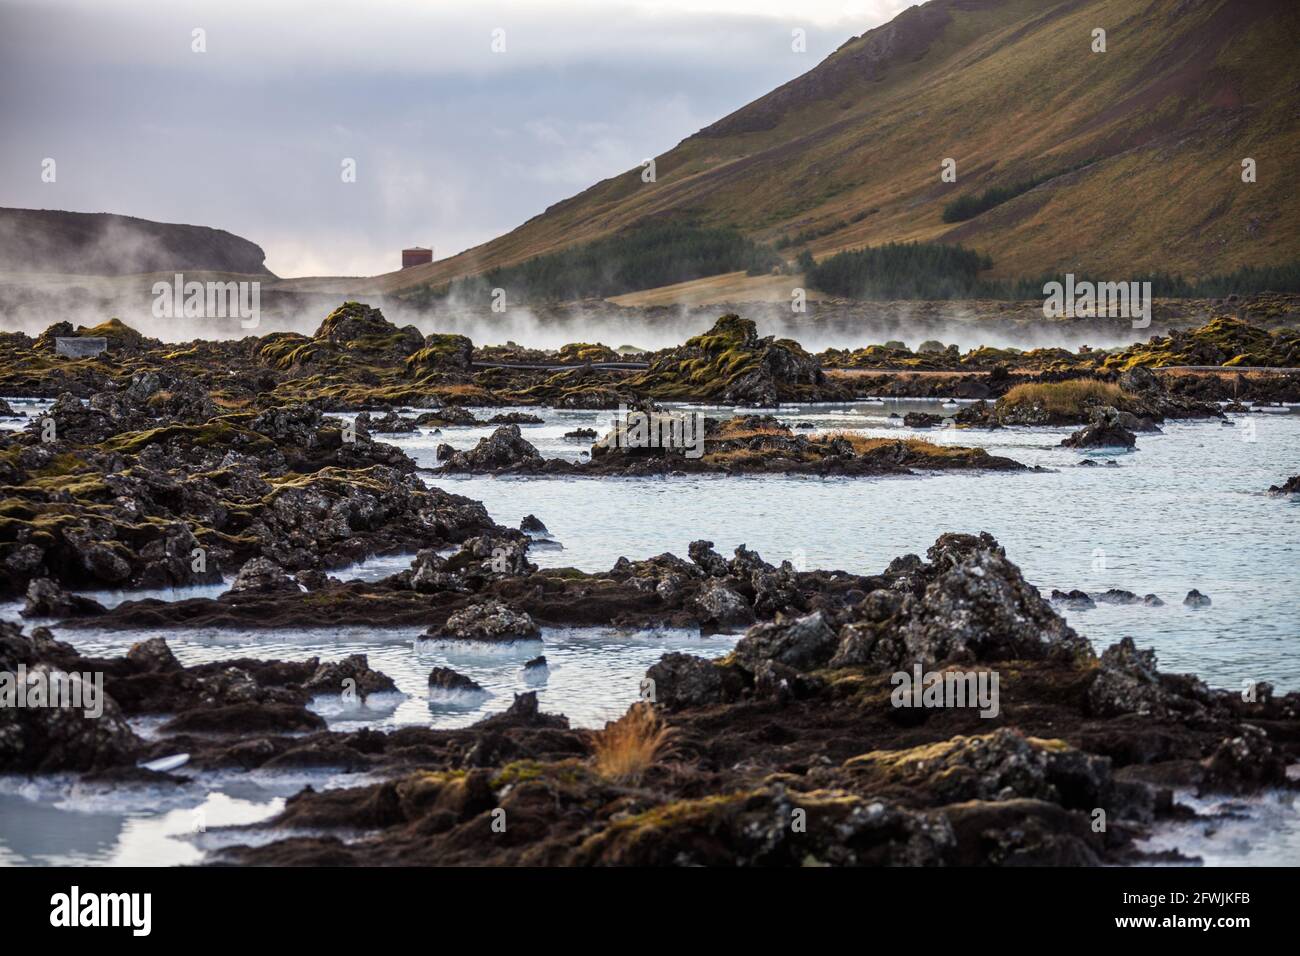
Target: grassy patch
{"x":628,"y":747}
{"x":1064,"y":398}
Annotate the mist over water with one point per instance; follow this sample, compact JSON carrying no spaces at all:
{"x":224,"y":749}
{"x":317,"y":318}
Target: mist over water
{"x":32,"y":303}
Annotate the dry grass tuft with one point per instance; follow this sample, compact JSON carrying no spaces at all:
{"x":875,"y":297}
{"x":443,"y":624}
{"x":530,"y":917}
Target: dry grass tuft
{"x":735,"y":431}
{"x":1065,"y":398}
{"x":863,"y":444}
{"x":629,"y":746}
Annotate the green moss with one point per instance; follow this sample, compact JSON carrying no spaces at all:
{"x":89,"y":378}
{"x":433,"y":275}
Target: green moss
{"x":585,"y":352}
{"x":226,"y":430}
{"x":1222,"y":341}
{"x":287,"y":350}
{"x":114,"y":330}
{"x":565,"y":772}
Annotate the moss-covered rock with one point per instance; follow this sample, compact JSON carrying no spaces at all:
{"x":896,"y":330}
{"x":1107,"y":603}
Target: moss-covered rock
{"x":731,"y":363}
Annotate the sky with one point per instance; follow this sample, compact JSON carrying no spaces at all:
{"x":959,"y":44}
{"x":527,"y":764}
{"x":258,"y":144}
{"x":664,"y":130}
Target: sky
{"x":453,"y":142}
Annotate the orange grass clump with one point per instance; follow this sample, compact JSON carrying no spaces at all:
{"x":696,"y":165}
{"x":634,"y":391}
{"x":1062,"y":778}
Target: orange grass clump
{"x":629,"y":746}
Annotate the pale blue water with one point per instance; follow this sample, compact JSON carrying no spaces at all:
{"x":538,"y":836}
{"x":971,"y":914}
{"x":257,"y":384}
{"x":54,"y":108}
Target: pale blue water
{"x":1187,"y":510}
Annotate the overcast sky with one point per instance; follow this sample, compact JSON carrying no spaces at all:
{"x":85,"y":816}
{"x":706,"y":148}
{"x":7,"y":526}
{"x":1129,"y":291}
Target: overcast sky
{"x":453,"y":143}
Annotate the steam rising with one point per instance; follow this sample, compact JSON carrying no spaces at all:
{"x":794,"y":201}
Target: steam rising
{"x":31,"y":304}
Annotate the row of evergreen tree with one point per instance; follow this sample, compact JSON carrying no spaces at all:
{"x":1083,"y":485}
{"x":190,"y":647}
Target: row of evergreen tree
{"x":643,"y":257}
{"x":930,"y":270}
{"x":971,"y":205}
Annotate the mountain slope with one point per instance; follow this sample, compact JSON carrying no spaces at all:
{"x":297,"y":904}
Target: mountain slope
{"x":1140,"y":146}
{"x":103,"y":244}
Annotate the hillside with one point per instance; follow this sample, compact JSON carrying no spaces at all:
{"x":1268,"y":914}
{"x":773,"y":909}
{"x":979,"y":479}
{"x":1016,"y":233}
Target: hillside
{"x":1134,"y":154}
{"x":102,"y":244}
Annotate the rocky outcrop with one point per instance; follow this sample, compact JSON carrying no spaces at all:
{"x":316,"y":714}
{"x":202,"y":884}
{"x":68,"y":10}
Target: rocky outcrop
{"x":505,"y":449}
{"x":489,"y":621}
{"x":47,"y":599}
{"x":730,"y":363}
{"x":921,"y":420}
{"x":1104,"y":431}
{"x":1289,"y":487}
{"x":446,"y":680}
{"x":262,"y":576}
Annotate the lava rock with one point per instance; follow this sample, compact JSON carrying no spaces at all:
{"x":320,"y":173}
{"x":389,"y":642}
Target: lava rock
{"x":1104,"y":431}
{"x":921,"y":420}
{"x":504,"y":448}
{"x":262,"y":576}
{"x":531,"y":524}
{"x":488,"y":621}
{"x":47,"y":599}
{"x":446,"y":679}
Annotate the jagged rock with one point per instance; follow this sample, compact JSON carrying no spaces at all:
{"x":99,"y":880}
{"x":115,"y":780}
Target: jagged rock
{"x":313,"y":579}
{"x":1002,"y":765}
{"x":1138,"y":380}
{"x":169,"y":560}
{"x":446,"y":679}
{"x":262,"y":576}
{"x":773,"y":679}
{"x":298,"y":425}
{"x":1245,"y":762}
{"x":353,"y":673}
{"x":153,"y":655}
{"x":868,"y":640}
{"x":1075,"y":599}
{"x":390,"y":423}
{"x":531,"y":524}
{"x":752,"y":828}
{"x":453,"y":415}
{"x":921,"y":420}
{"x":803,"y":643}
{"x":1128,"y":682}
{"x":441,"y":350}
{"x":48,"y":739}
{"x":776,"y":590}
{"x":979,"y":607}
{"x":1104,"y":431}
{"x":524,"y":712}
{"x":493,"y":555}
{"x":1196,"y":599}
{"x":684,"y":680}
{"x":746,"y":562}
{"x":47,"y":599}
{"x":743,"y":368}
{"x":1289,"y":487}
{"x":1120,"y":596}
{"x":429,"y":573}
{"x":721,"y":606}
{"x":488,"y":621}
{"x":708,"y":560}
{"x":504,"y":448}
{"x":359,"y":328}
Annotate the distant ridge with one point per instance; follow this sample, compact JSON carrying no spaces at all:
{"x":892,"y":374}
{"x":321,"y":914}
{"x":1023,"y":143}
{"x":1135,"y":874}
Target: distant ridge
{"x":104,"y":244}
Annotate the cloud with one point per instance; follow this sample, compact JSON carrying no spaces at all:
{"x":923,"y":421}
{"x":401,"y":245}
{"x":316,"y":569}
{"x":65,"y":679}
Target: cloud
{"x":453,"y":144}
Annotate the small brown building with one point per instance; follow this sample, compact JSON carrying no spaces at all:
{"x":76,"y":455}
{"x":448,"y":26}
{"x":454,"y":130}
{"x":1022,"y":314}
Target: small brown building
{"x":416,"y":256}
